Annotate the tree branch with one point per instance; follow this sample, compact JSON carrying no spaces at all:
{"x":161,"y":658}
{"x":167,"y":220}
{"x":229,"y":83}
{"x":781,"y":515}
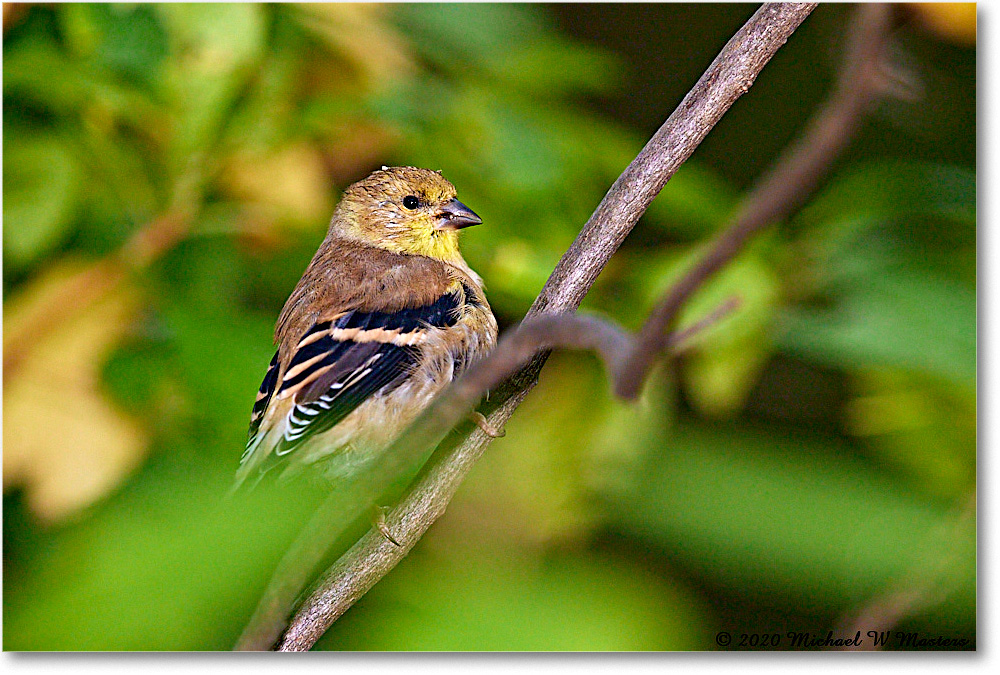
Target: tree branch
{"x":628,"y":360}
{"x":781,"y":191}
{"x":728,"y":77}
{"x":787,"y":186}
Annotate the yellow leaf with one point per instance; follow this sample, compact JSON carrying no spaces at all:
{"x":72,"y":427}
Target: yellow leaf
{"x":363,"y":36}
{"x":291,"y":184}
{"x":953,"y":21}
{"x":62,"y":440}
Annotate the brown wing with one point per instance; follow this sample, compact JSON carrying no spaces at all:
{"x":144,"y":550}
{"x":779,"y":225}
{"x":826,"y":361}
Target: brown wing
{"x":339,"y":363}
{"x":346,"y":275}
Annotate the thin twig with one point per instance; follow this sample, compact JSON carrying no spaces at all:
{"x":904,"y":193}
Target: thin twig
{"x":793,"y":178}
{"x":728,"y":77}
{"x":563,"y":331}
{"x":926,"y":584}
{"x":784,"y":189}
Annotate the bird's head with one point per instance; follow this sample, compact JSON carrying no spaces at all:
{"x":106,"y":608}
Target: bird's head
{"x":404,"y":210}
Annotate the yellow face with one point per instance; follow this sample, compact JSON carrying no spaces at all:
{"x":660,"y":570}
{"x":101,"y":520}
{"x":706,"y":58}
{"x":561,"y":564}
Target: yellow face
{"x":405,"y":210}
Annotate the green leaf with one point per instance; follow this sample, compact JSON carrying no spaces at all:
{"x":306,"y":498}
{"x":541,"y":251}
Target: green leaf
{"x":38,"y":74}
{"x":785,"y":519}
{"x":897,"y":317}
{"x":894,"y":247}
{"x":457,"y":33}
{"x":215,"y":36}
{"x":727,"y":357}
{"x":203,"y":317}
{"x":869,"y":194}
{"x":37,"y":71}
{"x":165,"y":564}
{"x":135,"y":42}
{"x":41,"y":186}
{"x":552,"y":67}
{"x":919,"y":424}
{"x":127,"y":40}
{"x":694,"y":203}
{"x":213,"y":48}
{"x":722,"y":371}
{"x":627,"y":431}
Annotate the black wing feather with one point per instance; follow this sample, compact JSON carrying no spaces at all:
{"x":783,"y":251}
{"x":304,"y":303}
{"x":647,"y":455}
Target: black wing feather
{"x":386,"y":366}
{"x":356,"y":369}
{"x":264,"y":395}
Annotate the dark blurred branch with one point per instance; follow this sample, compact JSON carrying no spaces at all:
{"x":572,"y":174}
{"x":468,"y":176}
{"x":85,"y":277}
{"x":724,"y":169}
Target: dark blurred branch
{"x":925,"y":585}
{"x":727,"y":78}
{"x":628,"y":360}
{"x":789,"y":183}
{"x":374,"y":556}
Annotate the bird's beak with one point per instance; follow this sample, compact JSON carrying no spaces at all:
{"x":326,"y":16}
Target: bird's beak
{"x":454,"y":215}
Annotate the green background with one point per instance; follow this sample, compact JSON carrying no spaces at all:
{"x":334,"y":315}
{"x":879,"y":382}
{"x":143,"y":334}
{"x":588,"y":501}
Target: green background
{"x":814,"y":451}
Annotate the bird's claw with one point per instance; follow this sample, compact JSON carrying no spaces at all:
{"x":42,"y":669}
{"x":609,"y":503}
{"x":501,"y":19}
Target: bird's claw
{"x":379,"y":523}
{"x":484,"y":424}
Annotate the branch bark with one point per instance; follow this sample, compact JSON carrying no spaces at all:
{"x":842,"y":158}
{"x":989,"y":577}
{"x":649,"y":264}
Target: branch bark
{"x":777,"y":194}
{"x":728,"y":77}
{"x":789,"y":183}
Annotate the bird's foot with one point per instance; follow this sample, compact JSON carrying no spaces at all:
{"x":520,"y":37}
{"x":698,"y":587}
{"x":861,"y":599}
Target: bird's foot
{"x":378,"y":521}
{"x":484,"y":424}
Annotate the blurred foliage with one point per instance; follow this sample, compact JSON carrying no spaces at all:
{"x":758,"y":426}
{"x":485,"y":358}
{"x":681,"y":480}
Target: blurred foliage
{"x":65,"y":366}
{"x":168,"y":172}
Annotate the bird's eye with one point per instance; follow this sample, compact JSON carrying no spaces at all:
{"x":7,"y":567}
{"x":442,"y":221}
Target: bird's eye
{"x":410,"y":202}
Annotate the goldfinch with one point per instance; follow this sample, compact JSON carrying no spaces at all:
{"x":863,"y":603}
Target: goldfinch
{"x":384,"y":317}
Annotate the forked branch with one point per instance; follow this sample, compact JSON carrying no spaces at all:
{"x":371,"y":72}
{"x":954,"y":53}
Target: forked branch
{"x":728,"y":77}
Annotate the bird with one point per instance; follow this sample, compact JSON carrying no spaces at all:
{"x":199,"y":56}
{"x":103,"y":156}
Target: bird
{"x":385,"y":316}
